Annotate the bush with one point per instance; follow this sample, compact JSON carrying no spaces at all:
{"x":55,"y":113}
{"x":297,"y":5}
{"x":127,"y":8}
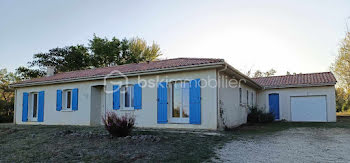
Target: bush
{"x":6,"y":111}
{"x":119,"y":126}
{"x":258,"y":116}
{"x":6,"y":118}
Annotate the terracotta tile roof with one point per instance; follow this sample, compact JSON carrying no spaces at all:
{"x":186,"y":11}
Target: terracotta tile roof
{"x":312,"y":79}
{"x":127,"y":68}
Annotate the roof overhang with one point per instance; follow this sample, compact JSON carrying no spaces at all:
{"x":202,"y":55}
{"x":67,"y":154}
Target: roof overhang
{"x":238,"y":75}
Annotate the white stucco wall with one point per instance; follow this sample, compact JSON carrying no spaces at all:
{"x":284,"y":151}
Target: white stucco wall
{"x":232,"y":113}
{"x":145,"y":117}
{"x":286,"y":94}
{"x":53,"y":117}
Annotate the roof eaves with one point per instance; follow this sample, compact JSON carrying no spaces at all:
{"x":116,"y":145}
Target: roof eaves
{"x":244,"y":76}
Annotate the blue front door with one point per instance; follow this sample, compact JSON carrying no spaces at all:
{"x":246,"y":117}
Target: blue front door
{"x":274,"y":103}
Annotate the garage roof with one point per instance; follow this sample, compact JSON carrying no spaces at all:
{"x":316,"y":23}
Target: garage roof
{"x":299,"y":80}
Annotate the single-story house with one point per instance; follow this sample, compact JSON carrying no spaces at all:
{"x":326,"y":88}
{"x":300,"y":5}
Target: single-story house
{"x":194,"y":93}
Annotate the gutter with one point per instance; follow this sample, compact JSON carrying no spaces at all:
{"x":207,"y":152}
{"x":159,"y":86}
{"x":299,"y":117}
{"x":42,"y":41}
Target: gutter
{"x":15,"y":107}
{"x":136,"y":73}
{"x":218,"y":97}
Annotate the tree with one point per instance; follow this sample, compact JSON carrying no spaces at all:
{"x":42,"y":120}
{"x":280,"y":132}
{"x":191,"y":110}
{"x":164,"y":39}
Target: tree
{"x":106,"y":52}
{"x":271,"y":72}
{"x":294,"y":73}
{"x":6,"y":95}
{"x":101,"y":52}
{"x":26,"y":73}
{"x":259,"y":74}
{"x":141,"y":52}
{"x":115,"y":52}
{"x":342,"y":100}
{"x":341,"y":68}
{"x":77,"y":58}
{"x":69,"y":58}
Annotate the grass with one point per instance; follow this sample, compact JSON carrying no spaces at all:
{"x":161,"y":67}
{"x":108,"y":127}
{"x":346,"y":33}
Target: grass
{"x":346,"y":113}
{"x":19,"y":143}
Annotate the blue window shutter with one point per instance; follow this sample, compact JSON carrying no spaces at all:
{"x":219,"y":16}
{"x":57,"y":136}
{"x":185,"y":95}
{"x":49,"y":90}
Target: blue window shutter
{"x":137,"y":96}
{"x":162,"y":103}
{"x":41,"y":106}
{"x":195,"y":102}
{"x":116,"y":97}
{"x":75,"y":99}
{"x":59,"y":100}
{"x":25,"y":107}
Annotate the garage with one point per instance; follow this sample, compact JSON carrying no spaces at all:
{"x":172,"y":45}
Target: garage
{"x":301,"y":97}
{"x":309,"y":108}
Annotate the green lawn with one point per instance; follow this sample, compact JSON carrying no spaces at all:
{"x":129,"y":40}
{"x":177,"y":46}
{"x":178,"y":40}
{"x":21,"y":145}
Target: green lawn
{"x":20,"y":143}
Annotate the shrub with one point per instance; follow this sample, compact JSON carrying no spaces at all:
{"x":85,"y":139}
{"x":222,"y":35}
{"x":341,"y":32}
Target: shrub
{"x":258,"y":116}
{"x":6,"y":111}
{"x":6,"y":118}
{"x":119,"y":126}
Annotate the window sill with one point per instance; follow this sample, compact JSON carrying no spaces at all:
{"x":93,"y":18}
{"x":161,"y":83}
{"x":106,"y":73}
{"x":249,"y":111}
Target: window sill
{"x":127,"y":109}
{"x":67,"y":110}
{"x":179,"y":121}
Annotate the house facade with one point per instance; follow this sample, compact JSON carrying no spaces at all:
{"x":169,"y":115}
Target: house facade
{"x":192,"y":93}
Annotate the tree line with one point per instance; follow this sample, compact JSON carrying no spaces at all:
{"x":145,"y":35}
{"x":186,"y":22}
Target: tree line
{"x":100,"y":52}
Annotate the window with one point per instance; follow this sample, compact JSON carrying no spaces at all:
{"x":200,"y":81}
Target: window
{"x":240,"y":95}
{"x":69,"y":99}
{"x":34,"y":107}
{"x":67,"y":96}
{"x":179,"y":102}
{"x":127,"y":97}
{"x":247,"y":97}
{"x":252,"y":99}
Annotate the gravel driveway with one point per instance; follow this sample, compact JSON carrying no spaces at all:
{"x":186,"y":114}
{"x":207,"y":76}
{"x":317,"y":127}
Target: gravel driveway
{"x":293,"y":145}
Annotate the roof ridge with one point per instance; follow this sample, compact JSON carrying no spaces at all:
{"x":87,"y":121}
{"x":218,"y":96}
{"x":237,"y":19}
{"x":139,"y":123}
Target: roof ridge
{"x":100,"y":68}
{"x":310,"y":79}
{"x":197,"y":58}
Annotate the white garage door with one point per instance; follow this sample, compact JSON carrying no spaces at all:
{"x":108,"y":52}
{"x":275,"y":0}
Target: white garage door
{"x":309,"y":108}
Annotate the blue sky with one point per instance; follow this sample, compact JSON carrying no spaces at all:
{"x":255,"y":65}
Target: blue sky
{"x":296,"y":35}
